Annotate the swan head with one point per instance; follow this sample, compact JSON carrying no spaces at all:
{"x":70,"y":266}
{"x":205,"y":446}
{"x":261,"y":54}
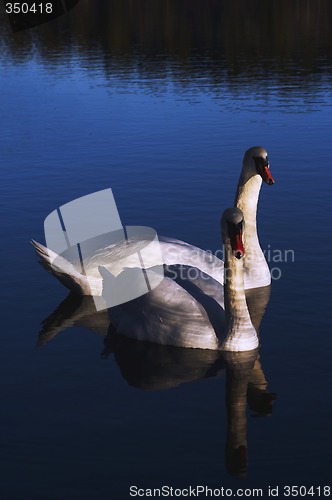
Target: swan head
{"x":232,"y":225}
{"x":256,"y":162}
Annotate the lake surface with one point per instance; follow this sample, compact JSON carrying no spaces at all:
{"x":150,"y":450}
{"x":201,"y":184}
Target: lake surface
{"x":159,"y":101}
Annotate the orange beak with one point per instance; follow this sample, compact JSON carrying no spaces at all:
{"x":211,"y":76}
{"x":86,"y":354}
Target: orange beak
{"x":266,"y":176}
{"x":237,"y":245}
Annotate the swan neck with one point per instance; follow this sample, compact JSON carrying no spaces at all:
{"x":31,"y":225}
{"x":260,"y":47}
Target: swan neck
{"x":246,"y":199}
{"x":240,"y":333}
{"x":235,"y":301}
{"x":257,"y":271}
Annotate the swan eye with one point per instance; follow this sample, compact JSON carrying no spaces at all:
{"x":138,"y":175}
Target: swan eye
{"x":239,"y":228}
{"x":261,"y":160}
{"x":261,"y":163}
{"x":235,"y":228}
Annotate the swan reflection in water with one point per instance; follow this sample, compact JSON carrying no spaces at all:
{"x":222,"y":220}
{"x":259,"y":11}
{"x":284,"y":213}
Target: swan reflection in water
{"x":155,"y":367}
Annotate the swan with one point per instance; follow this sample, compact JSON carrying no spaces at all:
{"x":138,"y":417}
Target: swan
{"x":255,"y":168}
{"x":182,"y":314}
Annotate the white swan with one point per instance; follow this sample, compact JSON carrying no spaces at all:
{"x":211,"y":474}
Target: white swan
{"x":175,"y":252}
{"x":183,"y":313}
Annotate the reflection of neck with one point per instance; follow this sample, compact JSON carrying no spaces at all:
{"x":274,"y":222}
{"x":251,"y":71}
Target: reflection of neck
{"x":257,"y":301}
{"x":239,"y":368}
{"x":255,"y":265}
{"x":240,"y":333}
{"x":236,"y":403}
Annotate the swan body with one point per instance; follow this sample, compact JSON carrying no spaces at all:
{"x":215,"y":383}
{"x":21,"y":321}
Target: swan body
{"x":185,"y":311}
{"x":84,"y":277}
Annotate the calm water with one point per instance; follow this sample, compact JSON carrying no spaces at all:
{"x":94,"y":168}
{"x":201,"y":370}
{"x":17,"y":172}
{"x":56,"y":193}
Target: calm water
{"x":162,"y":111}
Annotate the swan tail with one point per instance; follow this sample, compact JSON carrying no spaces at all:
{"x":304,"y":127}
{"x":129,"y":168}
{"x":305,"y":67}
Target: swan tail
{"x":61,"y":269}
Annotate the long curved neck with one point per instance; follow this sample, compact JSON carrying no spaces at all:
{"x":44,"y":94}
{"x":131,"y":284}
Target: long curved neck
{"x":240,"y":333}
{"x":255,"y":266}
{"x":246,"y":199}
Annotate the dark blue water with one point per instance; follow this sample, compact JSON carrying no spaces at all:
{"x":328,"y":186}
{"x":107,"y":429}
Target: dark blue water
{"x":79,"y":425}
